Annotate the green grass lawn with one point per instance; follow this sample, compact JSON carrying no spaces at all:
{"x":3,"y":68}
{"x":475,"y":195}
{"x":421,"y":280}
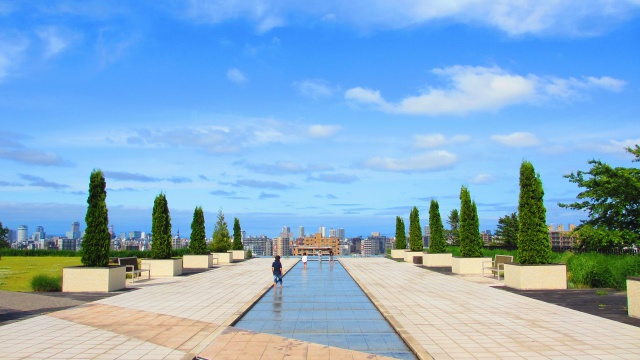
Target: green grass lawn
{"x":16,"y":272}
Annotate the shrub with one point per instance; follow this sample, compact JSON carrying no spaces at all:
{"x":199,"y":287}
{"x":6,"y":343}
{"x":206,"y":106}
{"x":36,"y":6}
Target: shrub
{"x":249,"y":254}
{"x":46,"y":283}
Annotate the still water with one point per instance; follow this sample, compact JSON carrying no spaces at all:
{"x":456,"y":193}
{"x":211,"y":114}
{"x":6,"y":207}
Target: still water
{"x":323,"y":305}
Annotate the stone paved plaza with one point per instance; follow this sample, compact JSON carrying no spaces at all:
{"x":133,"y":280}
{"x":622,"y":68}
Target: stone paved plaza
{"x":438,"y":316}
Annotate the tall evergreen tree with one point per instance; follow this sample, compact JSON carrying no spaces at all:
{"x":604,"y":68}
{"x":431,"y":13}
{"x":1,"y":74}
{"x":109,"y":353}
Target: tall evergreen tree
{"x":4,"y":236}
{"x":415,"y":232}
{"x":161,"y":229}
{"x":237,"y":235}
{"x":198,"y":245}
{"x":454,"y":226}
{"x":401,"y":235}
{"x":534,"y":246}
{"x":470,"y":239}
{"x":507,"y":230}
{"x":220,"y":240}
{"x":96,"y":242}
{"x":437,"y":243}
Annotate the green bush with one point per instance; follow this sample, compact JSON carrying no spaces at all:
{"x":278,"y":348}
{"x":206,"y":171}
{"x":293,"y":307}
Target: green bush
{"x":249,"y":254}
{"x":46,"y":283}
{"x":602,"y":271}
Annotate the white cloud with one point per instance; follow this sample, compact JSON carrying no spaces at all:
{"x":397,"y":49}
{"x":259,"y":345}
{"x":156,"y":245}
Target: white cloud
{"x":568,"y":18}
{"x":323,"y":131}
{"x":315,"y":89}
{"x":480,"y":89}
{"x":236,"y":76}
{"x":429,"y":161}
{"x":436,"y":140}
{"x":481,"y":179}
{"x":12,"y":49}
{"x":55,"y":40}
{"x":618,"y":146}
{"x":517,"y":139}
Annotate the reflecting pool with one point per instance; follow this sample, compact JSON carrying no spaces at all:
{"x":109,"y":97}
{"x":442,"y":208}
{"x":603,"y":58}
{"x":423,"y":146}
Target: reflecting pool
{"x":323,"y":305}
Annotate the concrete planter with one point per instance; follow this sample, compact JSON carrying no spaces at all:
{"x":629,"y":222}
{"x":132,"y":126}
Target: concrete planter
{"x":96,"y":279}
{"x":535,"y":277}
{"x":633,"y":296}
{"x":224,"y":258}
{"x":237,"y":255}
{"x":197,"y":261}
{"x":437,"y":260}
{"x":164,"y":267}
{"x":467,"y":266}
{"x":398,"y":253}
{"x":408,"y":255}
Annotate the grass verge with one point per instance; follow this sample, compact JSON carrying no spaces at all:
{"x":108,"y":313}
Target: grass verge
{"x":16,"y":272}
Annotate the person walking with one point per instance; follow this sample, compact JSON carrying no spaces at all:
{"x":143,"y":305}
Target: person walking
{"x":276,"y":270}
{"x":304,"y":260}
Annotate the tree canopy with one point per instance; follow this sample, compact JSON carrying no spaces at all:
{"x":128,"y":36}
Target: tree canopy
{"x":198,"y":241}
{"x":415,"y":232}
{"x":534,"y":246}
{"x":611,"y":198}
{"x":220,"y":242}
{"x":401,"y":235}
{"x":437,"y":242}
{"x":161,"y":229}
{"x":97,"y":240}
{"x":507,"y":230}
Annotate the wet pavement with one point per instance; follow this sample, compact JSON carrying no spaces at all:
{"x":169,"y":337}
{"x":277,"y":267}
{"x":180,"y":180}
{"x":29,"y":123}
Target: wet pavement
{"x":323,"y":305}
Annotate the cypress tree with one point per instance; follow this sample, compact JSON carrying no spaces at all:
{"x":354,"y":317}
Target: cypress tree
{"x":161,"y":229}
{"x":415,"y":232}
{"x":437,"y":244}
{"x":95,"y":245}
{"x":470,"y":239}
{"x":401,"y":235}
{"x":198,"y":245}
{"x":454,"y":223}
{"x":237,"y":235}
{"x":534,"y":246}
{"x":220,"y":240}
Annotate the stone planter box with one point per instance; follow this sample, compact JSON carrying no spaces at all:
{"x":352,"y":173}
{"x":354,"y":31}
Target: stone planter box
{"x":96,"y":279}
{"x":164,"y":267}
{"x":467,"y":266}
{"x":197,"y":261}
{"x":224,"y":258}
{"x":408,"y":255}
{"x":237,"y":255}
{"x":633,"y":296}
{"x":535,"y":277}
{"x":437,"y":260}
{"x":398,"y":253}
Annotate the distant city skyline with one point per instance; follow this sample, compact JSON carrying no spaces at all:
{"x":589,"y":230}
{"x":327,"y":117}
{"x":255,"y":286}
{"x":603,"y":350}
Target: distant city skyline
{"x":323,"y":114}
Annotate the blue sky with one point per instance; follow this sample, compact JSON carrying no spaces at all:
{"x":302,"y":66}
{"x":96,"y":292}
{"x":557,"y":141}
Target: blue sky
{"x":288,"y":113}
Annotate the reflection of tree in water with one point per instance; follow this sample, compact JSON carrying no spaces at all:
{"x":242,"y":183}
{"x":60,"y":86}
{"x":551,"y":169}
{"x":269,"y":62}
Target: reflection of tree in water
{"x":277,"y":303}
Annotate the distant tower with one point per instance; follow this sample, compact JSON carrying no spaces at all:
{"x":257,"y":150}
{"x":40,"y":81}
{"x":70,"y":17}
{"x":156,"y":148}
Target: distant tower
{"x":111,"y":233}
{"x":323,"y":231}
{"x":301,"y":232}
{"x":75,"y":231}
{"x":23,"y":233}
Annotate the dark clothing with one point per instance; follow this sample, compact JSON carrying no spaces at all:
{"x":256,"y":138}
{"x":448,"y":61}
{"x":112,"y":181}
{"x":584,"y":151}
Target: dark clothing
{"x":277,"y":268}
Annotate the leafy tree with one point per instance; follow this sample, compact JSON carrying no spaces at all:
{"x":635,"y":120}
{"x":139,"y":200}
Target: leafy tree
{"x":96,"y":242}
{"x":161,"y":229}
{"x":437,"y":244}
{"x":237,"y":235}
{"x":4,"y":236}
{"x":454,"y":225}
{"x":198,"y":245}
{"x":534,"y":246}
{"x":220,"y":242}
{"x":611,"y":198}
{"x":470,"y":239}
{"x":401,"y":235}
{"x":507,"y":230}
{"x":415,"y":232}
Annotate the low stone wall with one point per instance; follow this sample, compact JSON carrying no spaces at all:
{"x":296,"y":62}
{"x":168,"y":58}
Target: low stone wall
{"x":408,"y":255}
{"x":88,"y":279}
{"x":633,"y":296}
{"x":224,"y":258}
{"x":468,"y":266}
{"x":197,"y":261}
{"x":398,"y":253}
{"x":535,"y":277}
{"x":437,"y":260}
{"x":163,"y":267}
{"x":237,"y":255}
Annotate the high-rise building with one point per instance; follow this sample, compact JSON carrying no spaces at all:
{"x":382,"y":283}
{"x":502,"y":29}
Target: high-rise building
{"x":333,"y":232}
{"x":23,"y":233}
{"x":259,"y":246}
{"x":41,"y":233}
{"x":301,"y":232}
{"x":75,"y":231}
{"x":323,"y":231}
{"x":317,"y":243}
{"x":341,"y":235}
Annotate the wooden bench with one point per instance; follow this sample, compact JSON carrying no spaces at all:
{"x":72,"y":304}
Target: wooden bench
{"x":497,"y":265}
{"x":131,"y":266}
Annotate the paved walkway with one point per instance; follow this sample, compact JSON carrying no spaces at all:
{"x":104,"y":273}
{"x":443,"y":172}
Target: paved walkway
{"x":439,"y":316}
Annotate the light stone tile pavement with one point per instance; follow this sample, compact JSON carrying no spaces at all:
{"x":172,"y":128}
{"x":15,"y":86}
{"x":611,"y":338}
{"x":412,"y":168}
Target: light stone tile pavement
{"x":439,"y":316}
{"x":448,"y":317}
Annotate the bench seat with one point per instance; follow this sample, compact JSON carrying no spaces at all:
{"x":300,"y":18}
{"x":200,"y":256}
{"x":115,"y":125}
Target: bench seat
{"x":131,"y":266}
{"x":496,"y":266}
